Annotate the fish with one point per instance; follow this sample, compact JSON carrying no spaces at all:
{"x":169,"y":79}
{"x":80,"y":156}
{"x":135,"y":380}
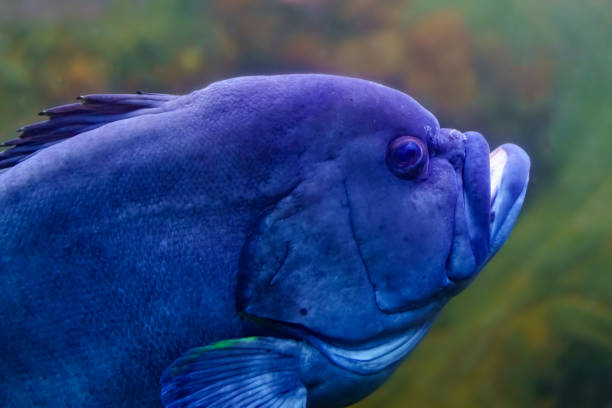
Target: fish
{"x":266,"y":241}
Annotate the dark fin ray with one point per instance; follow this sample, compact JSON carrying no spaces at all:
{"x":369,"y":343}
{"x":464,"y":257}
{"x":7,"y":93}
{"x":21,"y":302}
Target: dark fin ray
{"x":66,"y":121}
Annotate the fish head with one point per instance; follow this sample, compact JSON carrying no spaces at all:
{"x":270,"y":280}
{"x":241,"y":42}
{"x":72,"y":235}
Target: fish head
{"x":389,"y":217}
{"x":429,"y":214}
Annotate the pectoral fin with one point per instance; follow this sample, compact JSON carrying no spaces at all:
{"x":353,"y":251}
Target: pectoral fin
{"x":247,"y":372}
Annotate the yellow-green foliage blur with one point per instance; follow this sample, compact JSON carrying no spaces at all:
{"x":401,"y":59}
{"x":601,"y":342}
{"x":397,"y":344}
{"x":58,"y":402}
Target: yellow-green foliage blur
{"x":535,"y":329}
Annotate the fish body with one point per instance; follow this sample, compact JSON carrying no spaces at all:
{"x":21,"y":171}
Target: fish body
{"x":264,"y":241}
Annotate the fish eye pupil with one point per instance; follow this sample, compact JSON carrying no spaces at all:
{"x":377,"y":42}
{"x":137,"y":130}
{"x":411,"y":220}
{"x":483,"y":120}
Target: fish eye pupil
{"x":407,"y":153}
{"x":406,"y":156}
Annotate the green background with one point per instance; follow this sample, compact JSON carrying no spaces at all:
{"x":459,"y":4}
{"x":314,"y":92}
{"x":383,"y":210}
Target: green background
{"x":535,"y":329}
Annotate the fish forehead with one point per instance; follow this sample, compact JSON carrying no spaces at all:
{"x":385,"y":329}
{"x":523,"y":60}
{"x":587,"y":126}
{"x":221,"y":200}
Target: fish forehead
{"x":336,"y":103}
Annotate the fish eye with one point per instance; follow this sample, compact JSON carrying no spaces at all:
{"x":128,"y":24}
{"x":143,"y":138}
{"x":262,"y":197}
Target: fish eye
{"x":407,"y":156}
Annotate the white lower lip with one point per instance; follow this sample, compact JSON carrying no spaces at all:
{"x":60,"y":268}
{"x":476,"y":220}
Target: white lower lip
{"x":497,"y":161}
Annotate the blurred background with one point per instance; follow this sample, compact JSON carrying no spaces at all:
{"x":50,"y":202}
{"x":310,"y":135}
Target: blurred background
{"x":535,"y":329}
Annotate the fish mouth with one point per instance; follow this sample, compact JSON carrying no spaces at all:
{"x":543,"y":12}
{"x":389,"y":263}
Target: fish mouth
{"x":493,"y":186}
{"x":509,"y":174}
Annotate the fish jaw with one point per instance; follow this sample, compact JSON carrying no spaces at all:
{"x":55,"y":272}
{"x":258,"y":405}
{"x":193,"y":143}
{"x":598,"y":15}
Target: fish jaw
{"x":509,"y":167}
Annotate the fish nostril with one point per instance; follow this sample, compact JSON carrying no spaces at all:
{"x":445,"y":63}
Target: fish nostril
{"x":450,"y":144}
{"x":457,"y":135}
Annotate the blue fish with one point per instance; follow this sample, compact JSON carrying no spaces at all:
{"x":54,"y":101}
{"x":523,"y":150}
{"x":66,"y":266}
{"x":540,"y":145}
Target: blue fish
{"x":270,"y":241}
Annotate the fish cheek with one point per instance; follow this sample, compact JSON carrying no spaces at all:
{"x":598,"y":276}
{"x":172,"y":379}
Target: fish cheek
{"x":301,"y":265}
{"x":405,"y":241}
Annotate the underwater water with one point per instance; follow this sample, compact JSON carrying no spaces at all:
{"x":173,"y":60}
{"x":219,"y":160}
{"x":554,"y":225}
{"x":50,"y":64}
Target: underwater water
{"x":535,"y":328}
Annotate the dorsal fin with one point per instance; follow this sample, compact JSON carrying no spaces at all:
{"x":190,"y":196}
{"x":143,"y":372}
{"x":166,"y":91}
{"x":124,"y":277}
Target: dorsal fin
{"x":66,"y":121}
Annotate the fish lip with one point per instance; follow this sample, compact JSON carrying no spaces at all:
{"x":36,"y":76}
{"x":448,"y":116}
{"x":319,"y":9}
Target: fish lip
{"x":494,"y":184}
{"x":471,"y":229}
{"x":509,"y":168}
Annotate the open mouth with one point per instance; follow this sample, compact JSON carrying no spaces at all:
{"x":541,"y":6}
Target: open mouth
{"x":509,"y":169}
